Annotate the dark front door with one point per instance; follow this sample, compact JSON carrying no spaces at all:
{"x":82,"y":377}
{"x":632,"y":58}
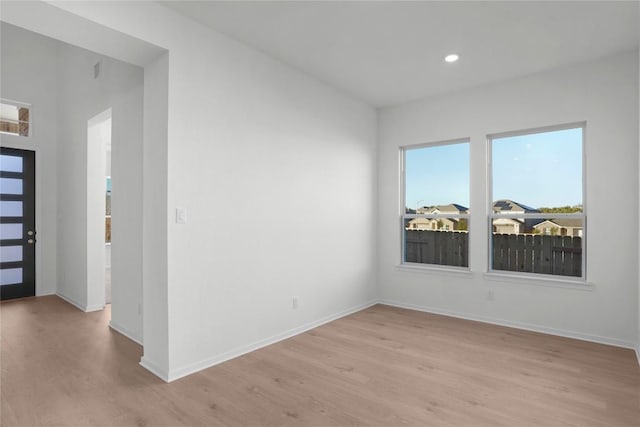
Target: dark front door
{"x":17,"y":223}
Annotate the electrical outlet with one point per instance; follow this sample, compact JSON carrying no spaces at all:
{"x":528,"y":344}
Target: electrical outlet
{"x":294,"y":302}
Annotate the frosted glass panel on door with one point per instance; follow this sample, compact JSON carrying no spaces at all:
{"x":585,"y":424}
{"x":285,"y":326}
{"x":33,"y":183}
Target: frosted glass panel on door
{"x":10,"y":253}
{"x":10,"y":208}
{"x":10,"y":276}
{"x":10,"y":163}
{"x":10,"y":185}
{"x":11,"y":231}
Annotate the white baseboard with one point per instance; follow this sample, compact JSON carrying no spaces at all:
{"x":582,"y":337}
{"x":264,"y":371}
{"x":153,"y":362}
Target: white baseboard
{"x":45,"y":293}
{"x":638,"y":353}
{"x":126,"y":332}
{"x":207,"y":363}
{"x":94,"y":308}
{"x":154,"y":369}
{"x":80,"y":306}
{"x":518,"y":325}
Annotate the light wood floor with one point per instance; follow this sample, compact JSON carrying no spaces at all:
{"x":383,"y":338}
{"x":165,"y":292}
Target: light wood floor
{"x":382,"y":366}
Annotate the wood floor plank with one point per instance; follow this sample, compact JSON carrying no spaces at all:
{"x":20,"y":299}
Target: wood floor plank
{"x":383,"y":366}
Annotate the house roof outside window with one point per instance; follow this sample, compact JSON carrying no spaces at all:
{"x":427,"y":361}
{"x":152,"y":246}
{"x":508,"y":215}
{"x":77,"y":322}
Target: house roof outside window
{"x":509,"y":206}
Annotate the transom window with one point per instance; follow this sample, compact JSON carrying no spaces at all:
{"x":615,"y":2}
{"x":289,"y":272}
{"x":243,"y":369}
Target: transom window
{"x":14,"y":118}
{"x":537,"y":217}
{"x":435,"y":217}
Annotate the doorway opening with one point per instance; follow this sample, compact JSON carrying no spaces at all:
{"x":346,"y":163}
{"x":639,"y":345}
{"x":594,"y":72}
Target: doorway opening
{"x":107,"y":220}
{"x":99,"y":208}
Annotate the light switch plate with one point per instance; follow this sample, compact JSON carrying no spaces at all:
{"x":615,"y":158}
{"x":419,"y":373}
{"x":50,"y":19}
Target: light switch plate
{"x":181,"y":215}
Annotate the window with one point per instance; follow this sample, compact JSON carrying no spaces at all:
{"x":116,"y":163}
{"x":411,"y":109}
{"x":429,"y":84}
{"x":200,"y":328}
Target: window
{"x":537,"y":217}
{"x":14,"y":118}
{"x":435,"y":215}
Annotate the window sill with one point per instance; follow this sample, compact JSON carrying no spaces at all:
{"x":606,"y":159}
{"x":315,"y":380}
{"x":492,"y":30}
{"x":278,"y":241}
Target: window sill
{"x":427,"y":268}
{"x":578,"y":284}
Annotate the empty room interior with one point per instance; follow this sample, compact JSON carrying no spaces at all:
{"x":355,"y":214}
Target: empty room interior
{"x":320,"y":213}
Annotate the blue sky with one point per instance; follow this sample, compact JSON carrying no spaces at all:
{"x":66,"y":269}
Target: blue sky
{"x":437,"y":175}
{"x":539,"y":170}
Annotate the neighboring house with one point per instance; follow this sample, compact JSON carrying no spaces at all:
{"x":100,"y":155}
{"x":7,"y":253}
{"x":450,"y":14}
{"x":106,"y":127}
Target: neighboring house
{"x":560,"y":227}
{"x":440,"y":223}
{"x":513,"y":225}
{"x":508,"y":226}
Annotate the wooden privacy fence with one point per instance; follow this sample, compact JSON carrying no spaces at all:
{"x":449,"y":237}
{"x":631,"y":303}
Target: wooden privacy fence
{"x":533,"y":253}
{"x":528,"y":253}
{"x":437,"y":247}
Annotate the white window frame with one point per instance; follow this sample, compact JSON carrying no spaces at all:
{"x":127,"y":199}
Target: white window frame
{"x":405,"y":216}
{"x":582,"y":215}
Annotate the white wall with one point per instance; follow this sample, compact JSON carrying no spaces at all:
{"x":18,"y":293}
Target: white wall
{"x":31,"y":78}
{"x":125,"y":86}
{"x":81,"y":97}
{"x":603,"y":93}
{"x":277,"y":172}
{"x":278,"y":180}
{"x":155,"y":245}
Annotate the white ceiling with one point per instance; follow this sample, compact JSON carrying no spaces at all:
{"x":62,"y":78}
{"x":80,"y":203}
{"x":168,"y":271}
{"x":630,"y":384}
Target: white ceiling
{"x":388,"y":52}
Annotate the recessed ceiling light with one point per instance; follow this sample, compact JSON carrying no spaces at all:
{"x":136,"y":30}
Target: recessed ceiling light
{"x":451,"y":58}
